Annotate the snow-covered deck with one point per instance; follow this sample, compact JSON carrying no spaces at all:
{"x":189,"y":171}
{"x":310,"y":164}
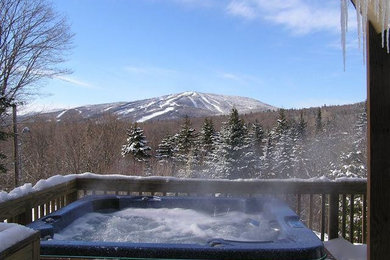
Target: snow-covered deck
{"x":322,"y":204}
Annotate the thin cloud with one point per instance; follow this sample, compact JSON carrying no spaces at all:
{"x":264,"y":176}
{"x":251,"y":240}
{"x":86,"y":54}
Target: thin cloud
{"x":241,"y":78}
{"x":241,"y":9}
{"x":297,"y":16}
{"x":230,"y":76}
{"x":75,"y":82}
{"x":149,"y":70}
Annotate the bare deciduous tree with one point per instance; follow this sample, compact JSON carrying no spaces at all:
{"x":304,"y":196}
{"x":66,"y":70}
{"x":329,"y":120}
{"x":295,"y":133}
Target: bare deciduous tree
{"x":33,"y":41}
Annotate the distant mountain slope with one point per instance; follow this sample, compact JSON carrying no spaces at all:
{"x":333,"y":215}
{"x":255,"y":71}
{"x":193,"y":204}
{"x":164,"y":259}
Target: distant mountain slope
{"x":193,"y":104}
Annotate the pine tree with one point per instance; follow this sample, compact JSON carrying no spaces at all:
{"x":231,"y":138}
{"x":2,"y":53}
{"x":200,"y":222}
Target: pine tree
{"x":319,"y":127}
{"x":267,"y":160}
{"x":282,"y":124}
{"x":228,"y":157}
{"x":282,"y":167}
{"x":254,"y":149}
{"x":256,"y":136}
{"x":185,"y":140}
{"x":353,"y":161}
{"x":165,"y":151}
{"x":136,"y":144}
{"x":193,"y":167}
{"x":299,"y":153}
{"x":301,"y":128}
{"x":206,"y":136}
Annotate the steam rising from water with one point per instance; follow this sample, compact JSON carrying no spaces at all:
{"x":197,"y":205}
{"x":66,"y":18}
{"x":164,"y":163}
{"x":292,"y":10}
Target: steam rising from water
{"x":164,"y":225}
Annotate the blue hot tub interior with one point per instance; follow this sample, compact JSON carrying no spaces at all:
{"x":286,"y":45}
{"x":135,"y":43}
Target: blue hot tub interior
{"x":291,"y":240}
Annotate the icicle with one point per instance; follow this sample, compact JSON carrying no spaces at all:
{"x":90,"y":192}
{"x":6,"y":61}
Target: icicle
{"x":358,"y":19}
{"x":387,"y":21}
{"x":381,"y":11}
{"x":343,"y":23}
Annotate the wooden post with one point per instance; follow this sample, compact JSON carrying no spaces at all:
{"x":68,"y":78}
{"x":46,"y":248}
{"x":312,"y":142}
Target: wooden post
{"x":378,"y":147}
{"x":323,"y":199}
{"x":333,"y":216}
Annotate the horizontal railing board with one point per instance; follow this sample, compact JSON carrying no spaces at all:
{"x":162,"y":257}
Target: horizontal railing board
{"x":204,"y":186}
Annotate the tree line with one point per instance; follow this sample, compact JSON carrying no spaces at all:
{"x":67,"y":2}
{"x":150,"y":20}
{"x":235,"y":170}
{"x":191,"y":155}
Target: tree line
{"x":247,"y":150}
{"x":304,"y":143}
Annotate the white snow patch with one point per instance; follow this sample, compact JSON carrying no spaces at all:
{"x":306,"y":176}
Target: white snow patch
{"x":11,"y":234}
{"x":342,"y":249}
{"x":147,"y":105}
{"x":193,"y":102}
{"x":108,"y":108}
{"x":215,"y":106}
{"x":40,"y":185}
{"x":145,"y":118}
{"x":127,"y":111}
{"x":61,"y":114}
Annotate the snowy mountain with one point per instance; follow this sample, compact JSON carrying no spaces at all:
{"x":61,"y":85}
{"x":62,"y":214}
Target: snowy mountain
{"x":193,"y":104}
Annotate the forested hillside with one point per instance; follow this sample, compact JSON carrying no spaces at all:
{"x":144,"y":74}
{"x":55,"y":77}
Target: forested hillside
{"x":327,"y":141}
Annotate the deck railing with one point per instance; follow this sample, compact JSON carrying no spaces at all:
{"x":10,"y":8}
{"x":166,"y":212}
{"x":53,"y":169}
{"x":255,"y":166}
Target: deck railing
{"x":332,"y":208}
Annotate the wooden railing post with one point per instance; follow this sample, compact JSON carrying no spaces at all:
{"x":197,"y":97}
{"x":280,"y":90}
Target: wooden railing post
{"x":323,"y":201}
{"x":71,"y":197}
{"x":333,"y":216}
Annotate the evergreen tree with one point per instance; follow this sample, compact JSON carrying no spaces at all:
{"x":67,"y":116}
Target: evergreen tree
{"x":301,"y":128}
{"x":193,"y":167}
{"x":206,"y":136}
{"x":282,"y":124}
{"x":353,"y":160}
{"x":228,"y":157}
{"x":282,"y":156}
{"x":256,"y":136}
{"x":254,"y":149}
{"x":165,"y":152}
{"x":185,"y":140}
{"x":300,"y":160}
{"x":319,"y":127}
{"x":267,"y":160}
{"x":136,"y":144}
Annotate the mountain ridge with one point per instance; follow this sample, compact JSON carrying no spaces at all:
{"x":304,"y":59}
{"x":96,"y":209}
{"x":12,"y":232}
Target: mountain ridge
{"x":173,"y":106}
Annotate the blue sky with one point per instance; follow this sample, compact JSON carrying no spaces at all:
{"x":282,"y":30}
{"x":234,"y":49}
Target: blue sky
{"x":283,"y":52}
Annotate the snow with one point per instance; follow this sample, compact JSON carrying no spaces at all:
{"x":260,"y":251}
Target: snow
{"x":215,"y":106}
{"x":168,"y":225}
{"x":126,"y":111}
{"x":341,"y":249}
{"x":108,"y":108}
{"x":377,"y":11}
{"x":11,"y":234}
{"x":61,"y":114}
{"x":59,"y":179}
{"x":40,"y":185}
{"x":193,"y":102}
{"x":159,"y":113}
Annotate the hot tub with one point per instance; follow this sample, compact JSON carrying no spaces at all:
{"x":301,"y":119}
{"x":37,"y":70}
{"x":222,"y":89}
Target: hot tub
{"x":134,"y":227}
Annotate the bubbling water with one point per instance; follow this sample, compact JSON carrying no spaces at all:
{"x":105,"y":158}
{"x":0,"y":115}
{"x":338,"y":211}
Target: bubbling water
{"x":163,"y":225}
